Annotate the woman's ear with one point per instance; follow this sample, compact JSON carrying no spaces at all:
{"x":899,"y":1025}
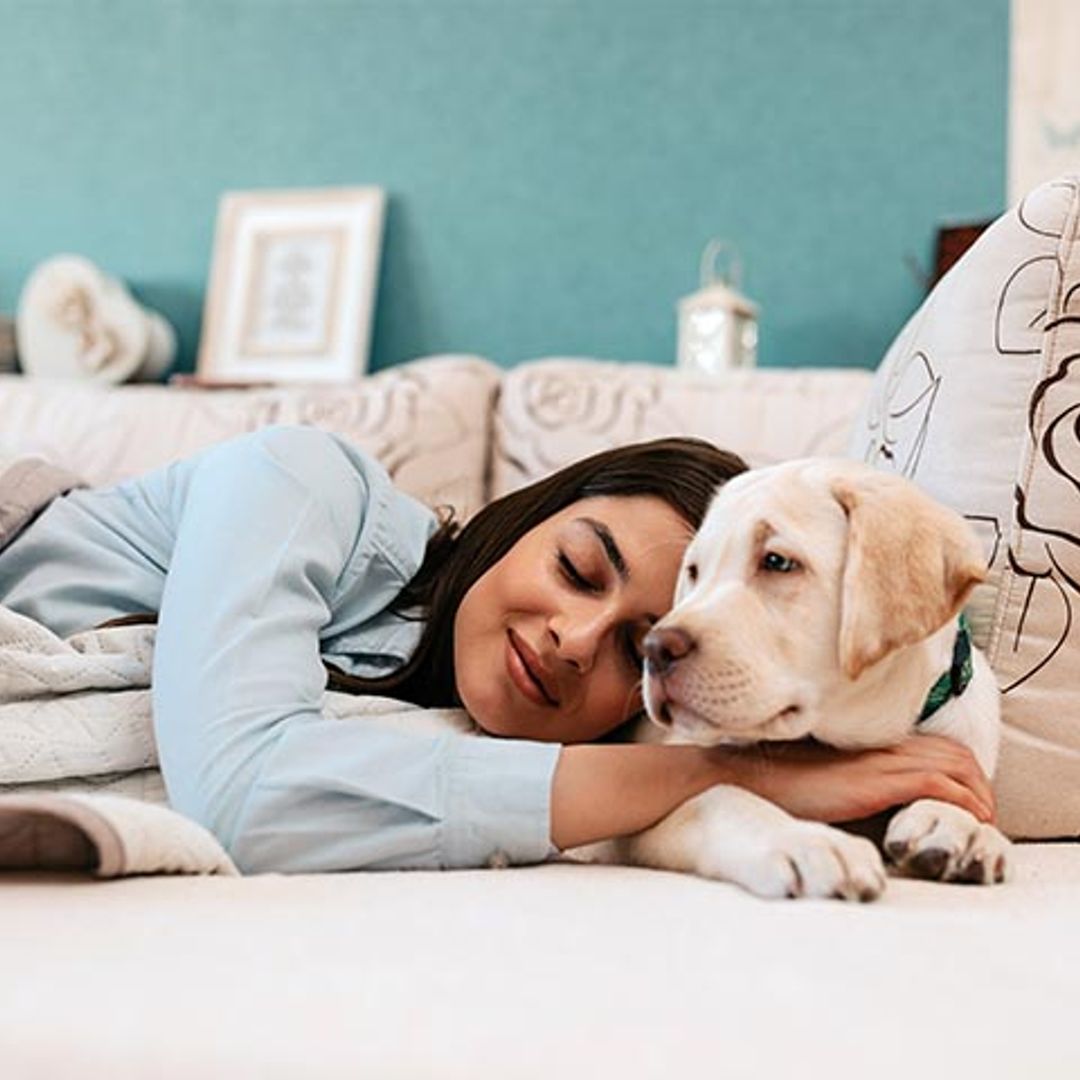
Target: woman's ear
{"x":910,"y":565}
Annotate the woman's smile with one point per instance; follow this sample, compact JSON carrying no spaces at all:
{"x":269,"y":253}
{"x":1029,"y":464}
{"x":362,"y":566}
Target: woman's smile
{"x":527,"y":673}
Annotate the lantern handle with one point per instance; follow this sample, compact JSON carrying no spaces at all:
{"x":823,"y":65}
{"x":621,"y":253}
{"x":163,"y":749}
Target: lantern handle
{"x":708,"y":274}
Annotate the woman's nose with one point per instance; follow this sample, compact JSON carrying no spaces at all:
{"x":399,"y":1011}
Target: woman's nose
{"x":577,"y":639}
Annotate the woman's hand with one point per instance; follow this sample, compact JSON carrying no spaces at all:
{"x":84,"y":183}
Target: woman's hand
{"x":817,"y":782}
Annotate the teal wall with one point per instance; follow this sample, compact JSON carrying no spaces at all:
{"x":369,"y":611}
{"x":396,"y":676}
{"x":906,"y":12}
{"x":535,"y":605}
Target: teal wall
{"x":554,"y":167}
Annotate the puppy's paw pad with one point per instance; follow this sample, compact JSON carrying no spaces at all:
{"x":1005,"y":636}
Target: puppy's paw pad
{"x":943,"y":843}
{"x":973,"y":873}
{"x":985,"y":860}
{"x":931,"y":862}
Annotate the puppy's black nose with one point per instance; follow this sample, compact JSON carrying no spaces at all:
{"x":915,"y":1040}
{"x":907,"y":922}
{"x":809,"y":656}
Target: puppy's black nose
{"x":664,"y":646}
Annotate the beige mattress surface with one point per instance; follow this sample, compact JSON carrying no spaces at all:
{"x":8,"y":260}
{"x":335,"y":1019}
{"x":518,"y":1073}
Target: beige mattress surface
{"x":549,"y":971}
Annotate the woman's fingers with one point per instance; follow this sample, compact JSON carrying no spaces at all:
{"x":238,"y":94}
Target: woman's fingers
{"x":939,"y":786}
{"x":898,"y":789}
{"x":937,"y":754}
{"x":825,"y":784}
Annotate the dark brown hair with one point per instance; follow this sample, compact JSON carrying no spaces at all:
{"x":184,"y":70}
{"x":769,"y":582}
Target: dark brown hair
{"x":684,"y":472}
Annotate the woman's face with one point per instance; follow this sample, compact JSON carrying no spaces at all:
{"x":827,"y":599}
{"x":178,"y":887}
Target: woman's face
{"x":547,"y":643}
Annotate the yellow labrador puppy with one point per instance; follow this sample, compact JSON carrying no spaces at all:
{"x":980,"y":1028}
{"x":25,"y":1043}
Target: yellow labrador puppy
{"x":819,"y":598}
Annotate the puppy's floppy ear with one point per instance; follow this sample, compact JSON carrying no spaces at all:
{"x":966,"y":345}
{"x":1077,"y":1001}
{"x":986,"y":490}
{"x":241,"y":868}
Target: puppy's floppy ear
{"x":911,"y":563}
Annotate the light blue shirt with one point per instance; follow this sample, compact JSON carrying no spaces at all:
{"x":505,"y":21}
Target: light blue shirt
{"x":262,"y":555}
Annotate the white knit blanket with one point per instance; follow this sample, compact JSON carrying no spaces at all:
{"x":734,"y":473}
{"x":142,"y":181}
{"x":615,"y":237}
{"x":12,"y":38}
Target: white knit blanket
{"x":79,"y":784}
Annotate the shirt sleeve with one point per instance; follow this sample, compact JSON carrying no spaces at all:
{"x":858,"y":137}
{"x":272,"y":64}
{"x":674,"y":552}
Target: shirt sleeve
{"x":267,"y":527}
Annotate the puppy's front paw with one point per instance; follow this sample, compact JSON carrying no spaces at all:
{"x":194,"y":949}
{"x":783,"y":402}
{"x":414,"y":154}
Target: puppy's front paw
{"x":804,"y":859}
{"x":941,"y":842}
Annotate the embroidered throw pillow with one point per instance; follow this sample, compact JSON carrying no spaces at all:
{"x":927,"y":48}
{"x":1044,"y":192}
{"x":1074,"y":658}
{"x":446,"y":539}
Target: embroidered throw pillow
{"x":978,"y":401}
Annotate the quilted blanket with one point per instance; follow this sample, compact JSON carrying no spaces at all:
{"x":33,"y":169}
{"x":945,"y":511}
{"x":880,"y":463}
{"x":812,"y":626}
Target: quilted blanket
{"x":79,"y":783}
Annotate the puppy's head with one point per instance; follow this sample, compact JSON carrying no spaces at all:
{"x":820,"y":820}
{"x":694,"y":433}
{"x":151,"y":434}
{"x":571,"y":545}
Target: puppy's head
{"x":802,"y":577}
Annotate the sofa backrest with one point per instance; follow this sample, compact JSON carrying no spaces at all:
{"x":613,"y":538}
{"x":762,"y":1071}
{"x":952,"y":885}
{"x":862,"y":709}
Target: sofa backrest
{"x":552,"y":412}
{"x":453,"y":430}
{"x":427,"y":421}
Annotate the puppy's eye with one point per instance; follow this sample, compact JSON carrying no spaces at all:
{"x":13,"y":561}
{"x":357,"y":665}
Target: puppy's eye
{"x":774,"y":562}
{"x":691,"y":573}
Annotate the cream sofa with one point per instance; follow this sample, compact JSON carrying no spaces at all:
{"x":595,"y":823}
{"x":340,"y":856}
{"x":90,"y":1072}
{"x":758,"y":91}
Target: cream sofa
{"x":546,"y":971}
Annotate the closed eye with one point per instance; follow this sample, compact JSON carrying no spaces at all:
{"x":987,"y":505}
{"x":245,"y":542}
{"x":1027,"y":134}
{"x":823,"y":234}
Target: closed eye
{"x":574,"y":576}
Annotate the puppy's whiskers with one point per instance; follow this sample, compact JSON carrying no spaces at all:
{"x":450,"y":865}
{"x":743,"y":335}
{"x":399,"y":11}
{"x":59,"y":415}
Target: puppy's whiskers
{"x":637,"y":690}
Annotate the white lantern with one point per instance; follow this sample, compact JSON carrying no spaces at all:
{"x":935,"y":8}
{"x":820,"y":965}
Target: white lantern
{"x":718,"y":328}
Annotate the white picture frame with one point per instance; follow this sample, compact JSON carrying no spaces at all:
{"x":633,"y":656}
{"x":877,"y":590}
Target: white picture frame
{"x":292,"y":286}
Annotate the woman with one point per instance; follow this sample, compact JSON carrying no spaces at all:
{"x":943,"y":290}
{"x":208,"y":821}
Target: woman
{"x":279,"y":556}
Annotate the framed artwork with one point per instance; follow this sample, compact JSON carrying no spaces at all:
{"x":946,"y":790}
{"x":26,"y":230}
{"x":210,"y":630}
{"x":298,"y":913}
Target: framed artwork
{"x":292,"y":286}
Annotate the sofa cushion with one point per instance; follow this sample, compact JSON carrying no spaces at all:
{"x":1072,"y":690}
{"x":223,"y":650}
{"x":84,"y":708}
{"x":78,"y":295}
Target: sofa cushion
{"x":552,"y":412}
{"x":427,"y":421}
{"x":977,"y":401}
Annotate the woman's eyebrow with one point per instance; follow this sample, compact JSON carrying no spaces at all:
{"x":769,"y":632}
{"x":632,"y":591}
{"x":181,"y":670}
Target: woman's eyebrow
{"x":611,"y":549}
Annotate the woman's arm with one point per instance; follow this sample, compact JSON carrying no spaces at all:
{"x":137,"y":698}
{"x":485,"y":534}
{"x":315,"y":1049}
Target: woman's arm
{"x":268,"y":531}
{"x":602,"y":791}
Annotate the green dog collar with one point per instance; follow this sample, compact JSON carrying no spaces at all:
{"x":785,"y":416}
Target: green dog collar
{"x":954,"y":682}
